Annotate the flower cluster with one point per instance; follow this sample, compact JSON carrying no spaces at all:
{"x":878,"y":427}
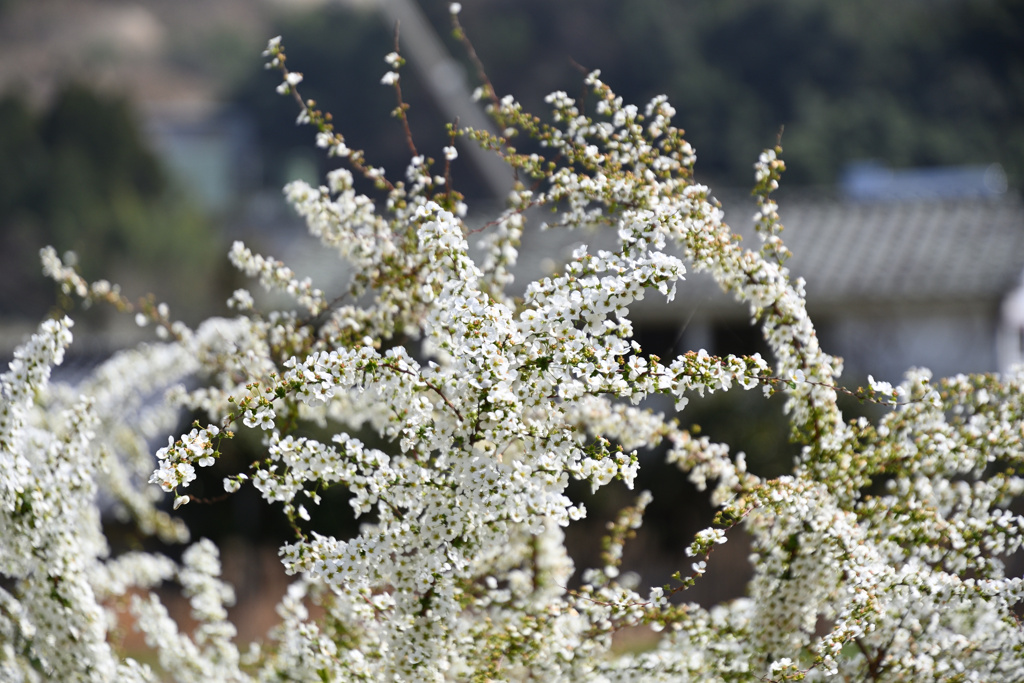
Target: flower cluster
{"x":880,"y":556}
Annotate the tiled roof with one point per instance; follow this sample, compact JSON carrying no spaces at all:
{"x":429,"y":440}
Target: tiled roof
{"x":914,"y":251}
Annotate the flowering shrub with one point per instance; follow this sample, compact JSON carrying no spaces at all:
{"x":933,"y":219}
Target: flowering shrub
{"x":879,"y":557}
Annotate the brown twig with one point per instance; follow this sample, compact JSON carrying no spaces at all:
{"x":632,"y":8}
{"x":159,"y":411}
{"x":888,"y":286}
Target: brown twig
{"x":402,"y":106}
{"x":481,"y":72}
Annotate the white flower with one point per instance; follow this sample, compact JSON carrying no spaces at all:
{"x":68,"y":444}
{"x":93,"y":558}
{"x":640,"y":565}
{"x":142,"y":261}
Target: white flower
{"x":272,"y":45}
{"x":241,"y":300}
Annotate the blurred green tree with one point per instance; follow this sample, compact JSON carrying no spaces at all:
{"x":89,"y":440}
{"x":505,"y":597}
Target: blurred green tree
{"x":79,"y":175}
{"x":907,"y":82}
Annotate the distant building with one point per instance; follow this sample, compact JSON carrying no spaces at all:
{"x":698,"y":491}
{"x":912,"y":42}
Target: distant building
{"x":912,"y":283}
{"x":873,"y":181}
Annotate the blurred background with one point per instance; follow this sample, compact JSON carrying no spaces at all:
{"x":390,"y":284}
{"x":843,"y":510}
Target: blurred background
{"x":145,"y":136}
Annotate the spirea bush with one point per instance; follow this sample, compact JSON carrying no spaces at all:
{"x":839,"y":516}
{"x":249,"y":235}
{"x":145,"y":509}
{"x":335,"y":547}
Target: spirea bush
{"x":880,"y":556}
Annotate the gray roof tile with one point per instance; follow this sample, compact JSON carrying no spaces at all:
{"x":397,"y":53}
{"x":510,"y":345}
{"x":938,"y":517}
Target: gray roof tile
{"x":912,"y":251}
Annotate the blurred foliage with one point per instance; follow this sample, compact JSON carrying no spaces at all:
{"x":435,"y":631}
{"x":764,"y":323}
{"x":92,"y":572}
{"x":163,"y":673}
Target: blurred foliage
{"x":907,"y":82}
{"x":80,"y":176}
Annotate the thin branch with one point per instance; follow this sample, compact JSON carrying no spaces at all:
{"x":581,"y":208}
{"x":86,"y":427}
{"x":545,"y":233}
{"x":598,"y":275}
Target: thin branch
{"x":402,"y":106}
{"x":481,"y":72}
